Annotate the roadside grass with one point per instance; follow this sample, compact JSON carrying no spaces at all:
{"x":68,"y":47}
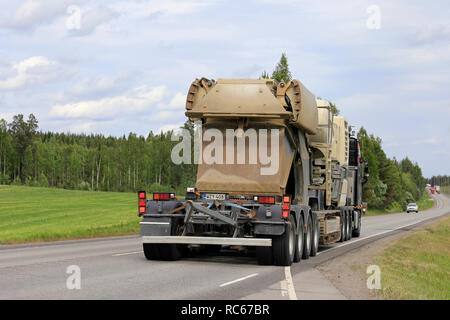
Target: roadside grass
{"x":445,"y":189}
{"x":424,"y":203}
{"x":417,"y":266}
{"x":376,"y":212}
{"x":29,"y":214}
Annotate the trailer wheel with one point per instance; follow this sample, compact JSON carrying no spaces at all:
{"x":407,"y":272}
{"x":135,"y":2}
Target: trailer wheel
{"x":151,"y":251}
{"x":264,"y":255}
{"x":212,"y":249}
{"x":343,"y":227}
{"x":299,"y":241}
{"x":316,"y":235}
{"x":349,"y":221}
{"x":284,"y":245}
{"x":171,"y":252}
{"x":357,"y":231}
{"x":307,"y":242}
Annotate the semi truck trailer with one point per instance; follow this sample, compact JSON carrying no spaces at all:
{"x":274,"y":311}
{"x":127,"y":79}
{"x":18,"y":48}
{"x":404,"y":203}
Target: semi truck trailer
{"x":311,"y":198}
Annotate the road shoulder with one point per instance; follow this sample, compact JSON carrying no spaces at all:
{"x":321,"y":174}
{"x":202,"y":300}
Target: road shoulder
{"x":348,"y":272}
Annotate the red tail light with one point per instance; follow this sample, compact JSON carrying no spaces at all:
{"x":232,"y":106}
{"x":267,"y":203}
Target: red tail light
{"x":266,"y":199}
{"x":286,"y":206}
{"x":163,"y":196}
{"x":142,"y":202}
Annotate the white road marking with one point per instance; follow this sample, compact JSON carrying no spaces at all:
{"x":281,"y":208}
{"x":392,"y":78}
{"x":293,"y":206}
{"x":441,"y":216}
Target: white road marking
{"x":371,"y":236}
{"x":126,"y":253}
{"x":289,"y":284}
{"x":237,"y":280}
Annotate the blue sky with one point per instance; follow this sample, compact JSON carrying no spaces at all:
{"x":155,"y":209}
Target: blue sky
{"x":128,"y":64}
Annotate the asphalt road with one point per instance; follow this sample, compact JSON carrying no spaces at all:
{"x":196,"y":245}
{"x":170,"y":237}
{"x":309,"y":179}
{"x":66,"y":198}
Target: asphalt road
{"x":115,"y":268}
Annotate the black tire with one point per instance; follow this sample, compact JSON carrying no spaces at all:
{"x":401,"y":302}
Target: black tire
{"x":212,"y":249}
{"x":350,"y":227}
{"x":264,"y":255}
{"x":169,"y":252}
{"x":357,"y":232}
{"x":308,"y":237}
{"x":299,"y":241}
{"x":151,"y":251}
{"x":284,"y":245}
{"x":316,"y":235}
{"x":343,"y":227}
{"x":172,"y":252}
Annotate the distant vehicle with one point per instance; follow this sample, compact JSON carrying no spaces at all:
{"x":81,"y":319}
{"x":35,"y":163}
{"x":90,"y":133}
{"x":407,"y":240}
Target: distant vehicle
{"x":412,"y":207}
{"x":428,"y":185}
{"x":438,"y":189}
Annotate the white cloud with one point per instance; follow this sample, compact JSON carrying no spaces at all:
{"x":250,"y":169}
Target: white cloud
{"x":168,"y":127}
{"x":87,"y":85}
{"x":432,"y":141}
{"x":137,"y":100}
{"x":91,"y":19}
{"x":90,"y":88}
{"x":92,"y":126}
{"x":36,"y":12}
{"x":147,"y":8}
{"x":177,"y":102}
{"x":33,"y":70}
{"x":431,"y":34}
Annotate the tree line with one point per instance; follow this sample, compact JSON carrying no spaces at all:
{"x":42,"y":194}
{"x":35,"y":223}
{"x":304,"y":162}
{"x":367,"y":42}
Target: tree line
{"x":439,"y":180}
{"x":392,"y":183}
{"x":89,"y":162}
{"x":129,"y":163}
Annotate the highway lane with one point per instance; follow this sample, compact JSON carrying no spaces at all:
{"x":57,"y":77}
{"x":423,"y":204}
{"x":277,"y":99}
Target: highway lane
{"x":115,"y":268}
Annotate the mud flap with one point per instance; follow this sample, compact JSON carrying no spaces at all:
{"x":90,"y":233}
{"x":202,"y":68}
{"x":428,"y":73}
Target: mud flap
{"x":155,"y":226}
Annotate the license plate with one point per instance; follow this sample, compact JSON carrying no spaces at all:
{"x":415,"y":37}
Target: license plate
{"x":214,"y":196}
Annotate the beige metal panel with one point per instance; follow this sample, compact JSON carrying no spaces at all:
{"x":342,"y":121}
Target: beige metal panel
{"x":246,"y":178}
{"x":340,"y":145}
{"x":253,"y":98}
{"x":351,"y":183}
{"x":332,"y":225}
{"x":343,"y":197}
{"x":304,"y":107}
{"x":324,"y":123}
{"x":238,"y":97}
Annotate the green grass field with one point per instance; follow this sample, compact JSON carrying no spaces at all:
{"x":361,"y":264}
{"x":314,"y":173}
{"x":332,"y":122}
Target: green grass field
{"x":43,"y":214}
{"x":425,"y":203}
{"x":418,"y":266}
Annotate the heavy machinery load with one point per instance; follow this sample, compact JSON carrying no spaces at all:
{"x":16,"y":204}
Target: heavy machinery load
{"x":279,"y":173}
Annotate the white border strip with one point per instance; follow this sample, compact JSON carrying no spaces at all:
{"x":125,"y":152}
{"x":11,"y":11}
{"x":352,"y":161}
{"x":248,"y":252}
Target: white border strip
{"x":237,"y":280}
{"x":152,"y":222}
{"x":261,"y":242}
{"x":126,"y":253}
{"x":290,"y":284}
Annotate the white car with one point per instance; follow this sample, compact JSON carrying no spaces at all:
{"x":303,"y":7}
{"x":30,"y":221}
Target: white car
{"x":412,"y":207}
